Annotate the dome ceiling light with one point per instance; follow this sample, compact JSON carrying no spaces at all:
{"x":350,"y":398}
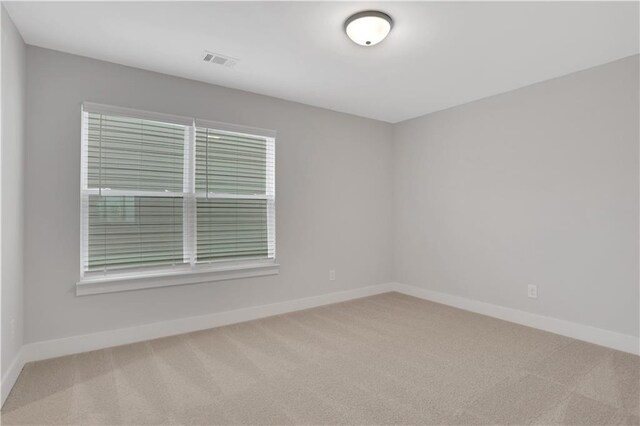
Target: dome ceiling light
{"x":368,"y":28}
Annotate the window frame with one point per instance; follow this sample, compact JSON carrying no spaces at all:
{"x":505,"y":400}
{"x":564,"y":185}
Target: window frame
{"x":190,"y":271}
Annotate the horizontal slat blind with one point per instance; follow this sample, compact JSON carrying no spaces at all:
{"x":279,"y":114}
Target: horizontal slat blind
{"x":143,"y":159}
{"x":230,"y":163}
{"x":235,"y":195}
{"x":134,"y":231}
{"x":159,"y":191}
{"x":232,"y":228}
{"x":132,"y":154}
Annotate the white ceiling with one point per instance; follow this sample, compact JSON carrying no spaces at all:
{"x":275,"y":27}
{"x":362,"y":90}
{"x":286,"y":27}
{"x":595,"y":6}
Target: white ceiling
{"x":438,"y":54}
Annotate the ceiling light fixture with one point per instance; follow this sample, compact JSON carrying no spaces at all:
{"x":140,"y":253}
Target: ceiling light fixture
{"x":368,"y":28}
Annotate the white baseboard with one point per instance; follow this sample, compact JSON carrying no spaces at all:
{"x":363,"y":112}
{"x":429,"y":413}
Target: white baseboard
{"x":105,"y":339}
{"x":598,"y":336}
{"x":11,"y":376}
{"x":88,"y":342}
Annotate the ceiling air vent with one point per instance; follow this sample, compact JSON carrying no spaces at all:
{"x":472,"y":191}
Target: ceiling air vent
{"x":218,"y":59}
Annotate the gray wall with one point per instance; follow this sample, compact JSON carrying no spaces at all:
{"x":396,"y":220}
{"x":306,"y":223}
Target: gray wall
{"x":12,"y":157}
{"x":534,"y":186}
{"x":333,"y":181}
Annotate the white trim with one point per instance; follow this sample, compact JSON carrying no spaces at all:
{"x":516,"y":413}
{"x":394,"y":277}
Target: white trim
{"x":137,"y":113}
{"x":84,"y":197}
{"x":94,"y":283}
{"x":2,"y":386}
{"x":225,"y":195}
{"x":189,"y":212}
{"x":176,"y":119}
{"x":94,"y":341}
{"x":108,"y":192}
{"x":271,"y":197}
{"x":11,"y":376}
{"x":106,"y":339}
{"x":89,"y":342}
{"x":235,"y":128}
{"x":599,"y":336}
{"x":111,"y":283}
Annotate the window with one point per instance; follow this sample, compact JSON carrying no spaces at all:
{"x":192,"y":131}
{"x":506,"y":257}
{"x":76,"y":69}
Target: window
{"x":166,"y":196}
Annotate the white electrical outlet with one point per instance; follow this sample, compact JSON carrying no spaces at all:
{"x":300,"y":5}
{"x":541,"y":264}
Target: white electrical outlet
{"x":532,"y":291}
{"x":332,"y":275}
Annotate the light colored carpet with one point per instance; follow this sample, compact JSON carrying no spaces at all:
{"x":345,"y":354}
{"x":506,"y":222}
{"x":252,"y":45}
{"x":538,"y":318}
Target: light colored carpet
{"x":387,"y":359}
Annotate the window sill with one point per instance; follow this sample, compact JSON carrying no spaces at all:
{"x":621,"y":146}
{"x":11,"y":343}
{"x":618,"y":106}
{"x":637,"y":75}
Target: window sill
{"x":117,"y":283}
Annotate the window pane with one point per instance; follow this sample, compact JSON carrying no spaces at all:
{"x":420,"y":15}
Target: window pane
{"x":232,"y":228}
{"x":133,"y":154}
{"x":231,"y":164}
{"x":134,"y":231}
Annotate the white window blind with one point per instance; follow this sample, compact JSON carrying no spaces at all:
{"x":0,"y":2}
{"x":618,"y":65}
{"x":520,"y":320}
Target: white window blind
{"x":235,"y":195}
{"x":165,"y":192}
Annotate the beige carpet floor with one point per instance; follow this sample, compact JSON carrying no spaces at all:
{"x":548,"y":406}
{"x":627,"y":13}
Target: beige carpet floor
{"x":387,"y":359}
